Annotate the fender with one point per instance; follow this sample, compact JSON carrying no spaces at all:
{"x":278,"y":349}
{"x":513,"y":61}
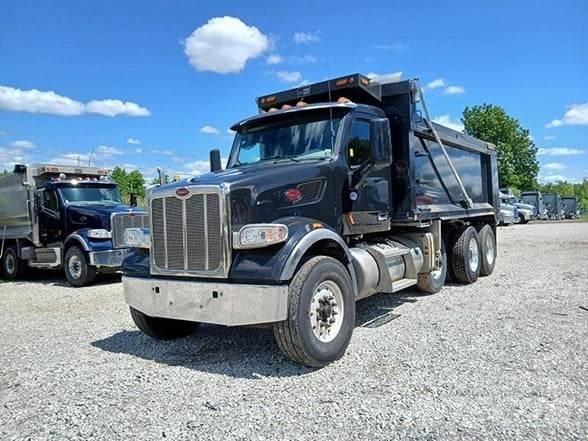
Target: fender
{"x":86,"y":243}
{"x":77,"y":238}
{"x":277,"y":263}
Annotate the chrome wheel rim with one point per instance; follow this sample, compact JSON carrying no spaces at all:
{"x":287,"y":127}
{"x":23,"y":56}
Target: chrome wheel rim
{"x":474,"y":254}
{"x":489,"y":249}
{"x":10,"y":263}
{"x":75,"y":267}
{"x":436,"y":273}
{"x":326,"y":311}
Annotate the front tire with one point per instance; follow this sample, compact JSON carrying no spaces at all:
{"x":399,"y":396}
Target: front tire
{"x":162,"y":328}
{"x":77,"y":269}
{"x":487,"y":250}
{"x":465,"y":256}
{"x":12,"y":267}
{"x":321,"y":314}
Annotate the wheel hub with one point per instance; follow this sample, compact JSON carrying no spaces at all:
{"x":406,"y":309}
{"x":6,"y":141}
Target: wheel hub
{"x":10,"y":263}
{"x":474,"y":254}
{"x":75,"y":267}
{"x":326,"y":311}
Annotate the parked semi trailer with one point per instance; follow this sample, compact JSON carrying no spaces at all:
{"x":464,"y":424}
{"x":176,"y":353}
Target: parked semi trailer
{"x":335,"y":191}
{"x":569,"y":206}
{"x":54,"y":216}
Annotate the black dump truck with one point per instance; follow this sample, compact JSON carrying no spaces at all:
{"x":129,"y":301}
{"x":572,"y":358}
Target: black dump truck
{"x":335,"y":191}
{"x":535,"y":198}
{"x":569,"y":206}
{"x":60,"y":216}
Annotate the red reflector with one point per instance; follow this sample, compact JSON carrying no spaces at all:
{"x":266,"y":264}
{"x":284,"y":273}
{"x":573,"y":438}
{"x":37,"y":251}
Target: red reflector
{"x":182,"y":191}
{"x":293,"y":195}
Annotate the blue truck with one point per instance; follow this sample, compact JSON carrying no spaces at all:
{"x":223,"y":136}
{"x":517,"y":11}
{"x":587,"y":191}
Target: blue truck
{"x":61,"y":216}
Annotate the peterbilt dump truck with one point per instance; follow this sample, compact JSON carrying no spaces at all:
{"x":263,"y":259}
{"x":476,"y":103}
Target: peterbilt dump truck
{"x":535,"y":198}
{"x":569,"y":206}
{"x":60,"y":216}
{"x":335,"y":191}
{"x":553,"y":207}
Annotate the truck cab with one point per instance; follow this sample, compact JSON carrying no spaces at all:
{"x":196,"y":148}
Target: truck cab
{"x":332,"y":192}
{"x":55,"y":216}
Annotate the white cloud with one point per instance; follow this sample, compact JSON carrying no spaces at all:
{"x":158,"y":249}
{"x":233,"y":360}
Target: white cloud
{"x":576,"y":115}
{"x":435,"y":84}
{"x":445,"y":120}
{"x":36,"y":101}
{"x":138,"y":150}
{"x":559,"y":151}
{"x":454,"y":90}
{"x":555,"y":166}
{"x":554,"y":178}
{"x":133,"y":141}
{"x":274,"y":59}
{"x":224,"y":45}
{"x":392,"y":77}
{"x":305,"y":59}
{"x":105,"y":151}
{"x":289,"y":77}
{"x":394,"y":47}
{"x":112,"y":107}
{"x":23,"y":144}
{"x":163,"y":152}
{"x":198,"y":167}
{"x":549,"y":137}
{"x":306,"y":37}
{"x":3,"y":133}
{"x":209,"y":130}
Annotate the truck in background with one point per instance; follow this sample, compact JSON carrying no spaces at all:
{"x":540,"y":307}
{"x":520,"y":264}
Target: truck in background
{"x":569,"y":205}
{"x":54,"y":216}
{"x":535,"y":198}
{"x":335,"y":191}
{"x":508,"y":214}
{"x":524,"y":212}
{"x":553,"y":206}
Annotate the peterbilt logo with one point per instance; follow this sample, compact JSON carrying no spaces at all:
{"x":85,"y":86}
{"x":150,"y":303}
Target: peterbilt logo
{"x":182,"y":192}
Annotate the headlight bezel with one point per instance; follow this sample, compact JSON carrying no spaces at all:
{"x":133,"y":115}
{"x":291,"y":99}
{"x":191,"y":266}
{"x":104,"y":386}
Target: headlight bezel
{"x":141,"y":238}
{"x":259,"y":236}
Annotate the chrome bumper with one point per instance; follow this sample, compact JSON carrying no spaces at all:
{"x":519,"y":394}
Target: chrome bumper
{"x":207,"y":302}
{"x":107,"y":258}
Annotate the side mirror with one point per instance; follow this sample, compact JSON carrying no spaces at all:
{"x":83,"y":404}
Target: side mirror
{"x":381,"y":147}
{"x":215,"y":161}
{"x":133,"y":198}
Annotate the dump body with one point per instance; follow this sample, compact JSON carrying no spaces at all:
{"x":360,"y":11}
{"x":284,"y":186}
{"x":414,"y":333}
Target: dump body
{"x":535,"y":198}
{"x":553,"y":207}
{"x":16,"y":215}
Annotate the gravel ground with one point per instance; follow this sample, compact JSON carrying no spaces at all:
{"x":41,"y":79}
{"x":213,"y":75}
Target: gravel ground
{"x":504,"y":358}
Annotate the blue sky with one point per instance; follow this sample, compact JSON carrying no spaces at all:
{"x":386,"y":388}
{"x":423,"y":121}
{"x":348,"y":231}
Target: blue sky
{"x":148,"y":83}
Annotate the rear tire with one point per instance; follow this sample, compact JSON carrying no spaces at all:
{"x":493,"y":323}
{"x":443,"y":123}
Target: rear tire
{"x":487,"y":250}
{"x":433,"y":281}
{"x":162,"y":328}
{"x":13,"y":268}
{"x":465,"y":256}
{"x":321,"y":314}
{"x":77,"y":269}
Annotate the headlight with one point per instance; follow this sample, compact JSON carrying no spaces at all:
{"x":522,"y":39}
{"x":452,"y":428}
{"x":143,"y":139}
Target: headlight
{"x":259,"y":235}
{"x":99,"y":233}
{"x":137,"y":238}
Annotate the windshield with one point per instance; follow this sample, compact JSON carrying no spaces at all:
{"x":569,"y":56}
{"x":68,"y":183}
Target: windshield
{"x":295,"y":140}
{"x":90,"y":195}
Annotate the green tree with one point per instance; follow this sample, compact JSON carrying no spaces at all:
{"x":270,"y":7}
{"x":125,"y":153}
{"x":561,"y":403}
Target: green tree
{"x":517,"y":155}
{"x":129,"y":182}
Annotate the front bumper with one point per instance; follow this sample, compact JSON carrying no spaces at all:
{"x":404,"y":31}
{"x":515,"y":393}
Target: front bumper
{"x":111,"y":258}
{"x":207,"y":302}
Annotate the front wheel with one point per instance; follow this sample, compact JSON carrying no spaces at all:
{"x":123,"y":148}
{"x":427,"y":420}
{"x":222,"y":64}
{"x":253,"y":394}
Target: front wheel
{"x":321,"y":314}
{"x":77,"y":269}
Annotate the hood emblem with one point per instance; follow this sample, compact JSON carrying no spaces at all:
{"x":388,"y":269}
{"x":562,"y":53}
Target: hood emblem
{"x":182,"y":192}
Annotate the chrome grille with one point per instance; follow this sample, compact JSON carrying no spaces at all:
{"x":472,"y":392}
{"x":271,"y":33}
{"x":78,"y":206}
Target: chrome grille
{"x":189,"y":234}
{"x":119,"y":222}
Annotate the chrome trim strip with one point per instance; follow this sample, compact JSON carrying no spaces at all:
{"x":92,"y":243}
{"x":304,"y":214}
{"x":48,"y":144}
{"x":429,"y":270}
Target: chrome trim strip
{"x":164,"y":231}
{"x":205,"y":215}
{"x":110,"y":258}
{"x":185,"y":235}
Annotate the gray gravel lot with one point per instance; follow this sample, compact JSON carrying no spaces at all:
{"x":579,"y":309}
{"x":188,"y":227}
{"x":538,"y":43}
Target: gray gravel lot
{"x":504,"y":358}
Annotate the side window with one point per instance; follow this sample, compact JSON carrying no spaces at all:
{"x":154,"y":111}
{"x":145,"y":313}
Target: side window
{"x":358,"y":149}
{"x":50,"y":200}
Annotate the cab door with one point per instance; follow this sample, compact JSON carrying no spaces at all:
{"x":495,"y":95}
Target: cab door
{"x":368,"y":187}
{"x":50,"y":222}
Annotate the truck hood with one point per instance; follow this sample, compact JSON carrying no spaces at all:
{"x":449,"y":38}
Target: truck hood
{"x":95,"y":216}
{"x":257,"y":191}
{"x":522,"y":206}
